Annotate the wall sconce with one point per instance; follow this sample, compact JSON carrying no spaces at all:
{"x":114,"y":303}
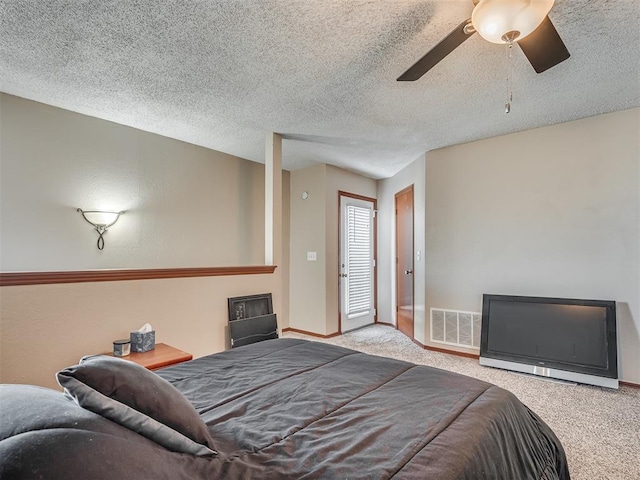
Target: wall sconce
{"x":101,"y":221}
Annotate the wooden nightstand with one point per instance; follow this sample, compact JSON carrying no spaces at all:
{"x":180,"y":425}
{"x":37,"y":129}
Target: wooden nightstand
{"x":162,"y":356}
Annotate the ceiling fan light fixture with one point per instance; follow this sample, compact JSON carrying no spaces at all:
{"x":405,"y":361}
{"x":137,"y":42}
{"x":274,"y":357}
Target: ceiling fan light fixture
{"x":505,"y":21}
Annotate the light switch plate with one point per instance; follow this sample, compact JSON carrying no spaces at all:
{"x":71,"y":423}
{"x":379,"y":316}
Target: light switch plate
{"x":312,"y":256}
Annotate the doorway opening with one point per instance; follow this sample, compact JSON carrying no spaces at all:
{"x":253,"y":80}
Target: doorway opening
{"x":357,"y":269}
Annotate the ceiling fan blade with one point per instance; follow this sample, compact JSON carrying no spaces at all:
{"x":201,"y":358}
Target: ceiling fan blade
{"x":544,"y":48}
{"x":447,"y":45}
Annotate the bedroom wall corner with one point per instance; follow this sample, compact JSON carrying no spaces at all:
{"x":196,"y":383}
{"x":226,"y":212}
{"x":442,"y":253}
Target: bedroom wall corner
{"x":413,"y":174}
{"x":284,"y":267}
{"x":308,"y":234}
{"x":314,"y":221}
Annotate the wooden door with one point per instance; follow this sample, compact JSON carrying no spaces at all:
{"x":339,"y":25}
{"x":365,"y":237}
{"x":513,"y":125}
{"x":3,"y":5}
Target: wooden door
{"x":404,"y":261}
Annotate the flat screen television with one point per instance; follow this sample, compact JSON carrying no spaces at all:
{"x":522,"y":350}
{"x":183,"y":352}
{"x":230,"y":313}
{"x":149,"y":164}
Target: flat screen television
{"x":561,"y":338}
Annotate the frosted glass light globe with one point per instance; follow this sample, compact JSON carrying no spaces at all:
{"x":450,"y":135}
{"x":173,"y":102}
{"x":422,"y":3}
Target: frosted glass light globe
{"x":500,"y":20}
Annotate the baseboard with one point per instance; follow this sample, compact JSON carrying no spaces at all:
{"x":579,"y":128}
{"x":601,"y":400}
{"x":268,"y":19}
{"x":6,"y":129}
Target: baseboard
{"x":476,"y":357}
{"x":387,"y":324}
{"x":312,"y":334}
{"x":446,"y":350}
{"x":629,"y":384}
{"x":453,"y":352}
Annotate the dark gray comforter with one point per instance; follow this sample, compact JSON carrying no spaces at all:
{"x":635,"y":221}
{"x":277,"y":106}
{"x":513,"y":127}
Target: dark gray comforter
{"x":291,"y":409}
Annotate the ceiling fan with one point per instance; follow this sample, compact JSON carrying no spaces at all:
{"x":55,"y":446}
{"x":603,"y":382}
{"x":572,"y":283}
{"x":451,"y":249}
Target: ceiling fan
{"x":524,"y":22}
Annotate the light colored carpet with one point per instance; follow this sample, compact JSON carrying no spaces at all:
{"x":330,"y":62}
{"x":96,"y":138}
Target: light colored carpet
{"x":598,"y":427}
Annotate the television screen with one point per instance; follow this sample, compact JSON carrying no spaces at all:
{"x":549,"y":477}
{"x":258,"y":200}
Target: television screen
{"x":565,"y":334}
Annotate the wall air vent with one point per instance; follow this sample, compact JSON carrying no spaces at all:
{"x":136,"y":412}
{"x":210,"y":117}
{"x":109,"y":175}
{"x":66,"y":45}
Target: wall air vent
{"x":455,"y":327}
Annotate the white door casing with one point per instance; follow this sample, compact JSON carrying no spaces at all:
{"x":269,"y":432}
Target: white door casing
{"x":357,"y":307}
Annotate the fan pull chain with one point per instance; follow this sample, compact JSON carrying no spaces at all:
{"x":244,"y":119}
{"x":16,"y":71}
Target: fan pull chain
{"x":507,"y":106}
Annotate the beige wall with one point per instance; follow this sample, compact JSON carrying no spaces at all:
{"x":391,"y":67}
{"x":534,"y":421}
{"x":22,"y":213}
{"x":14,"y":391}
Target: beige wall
{"x":307,"y":279}
{"x":48,"y":327}
{"x":413,"y":174}
{"x":553,"y":211}
{"x":338,"y":180}
{"x":314,"y":228}
{"x":187,"y":207}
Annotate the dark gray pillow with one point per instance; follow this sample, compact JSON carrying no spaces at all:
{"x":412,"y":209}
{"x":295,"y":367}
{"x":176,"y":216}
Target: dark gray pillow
{"x":138,"y":399}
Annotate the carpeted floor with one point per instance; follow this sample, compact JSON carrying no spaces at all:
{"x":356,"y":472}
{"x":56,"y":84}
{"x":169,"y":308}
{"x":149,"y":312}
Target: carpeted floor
{"x":598,"y":427}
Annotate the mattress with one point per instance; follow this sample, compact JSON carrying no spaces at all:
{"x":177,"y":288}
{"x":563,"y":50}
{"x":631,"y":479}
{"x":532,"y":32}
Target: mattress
{"x":294,"y":409}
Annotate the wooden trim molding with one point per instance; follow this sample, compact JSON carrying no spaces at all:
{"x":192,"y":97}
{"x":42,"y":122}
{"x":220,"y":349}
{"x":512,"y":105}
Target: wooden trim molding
{"x":312,"y":334}
{"x":446,"y":350}
{"x":630,"y":384}
{"x":476,"y":357}
{"x":41,"y":278}
{"x":387,"y":324}
{"x":452,"y":352}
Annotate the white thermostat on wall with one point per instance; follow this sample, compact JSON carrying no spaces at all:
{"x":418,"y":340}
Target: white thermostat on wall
{"x":305,"y":195}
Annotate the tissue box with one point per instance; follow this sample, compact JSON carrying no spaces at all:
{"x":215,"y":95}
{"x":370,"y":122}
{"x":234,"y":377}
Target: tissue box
{"x":143,"y":342}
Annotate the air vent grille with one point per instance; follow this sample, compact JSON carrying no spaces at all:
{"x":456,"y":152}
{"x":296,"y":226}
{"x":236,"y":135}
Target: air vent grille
{"x":455,"y":327}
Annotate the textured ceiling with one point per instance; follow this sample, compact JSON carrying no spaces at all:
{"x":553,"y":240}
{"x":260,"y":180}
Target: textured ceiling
{"x":222,"y":74}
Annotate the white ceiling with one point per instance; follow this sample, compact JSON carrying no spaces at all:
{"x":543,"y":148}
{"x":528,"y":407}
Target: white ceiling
{"x":223,"y":74}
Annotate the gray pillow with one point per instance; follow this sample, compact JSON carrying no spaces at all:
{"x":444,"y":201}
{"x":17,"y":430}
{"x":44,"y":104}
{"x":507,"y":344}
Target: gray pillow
{"x":138,"y":399}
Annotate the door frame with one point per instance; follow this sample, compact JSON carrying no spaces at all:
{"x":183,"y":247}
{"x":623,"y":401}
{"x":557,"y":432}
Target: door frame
{"x":375,"y":251}
{"x":413,"y":255}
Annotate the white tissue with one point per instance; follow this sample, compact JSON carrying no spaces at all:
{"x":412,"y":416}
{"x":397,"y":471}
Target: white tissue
{"x":146,"y":328}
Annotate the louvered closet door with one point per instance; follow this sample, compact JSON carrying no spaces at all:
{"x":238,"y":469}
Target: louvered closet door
{"x":356,"y":263}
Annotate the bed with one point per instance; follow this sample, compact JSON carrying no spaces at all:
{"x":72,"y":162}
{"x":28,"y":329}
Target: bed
{"x":278,"y":409}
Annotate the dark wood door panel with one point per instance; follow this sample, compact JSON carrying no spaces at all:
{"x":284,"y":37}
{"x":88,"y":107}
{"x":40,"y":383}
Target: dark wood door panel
{"x":404,"y":261}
